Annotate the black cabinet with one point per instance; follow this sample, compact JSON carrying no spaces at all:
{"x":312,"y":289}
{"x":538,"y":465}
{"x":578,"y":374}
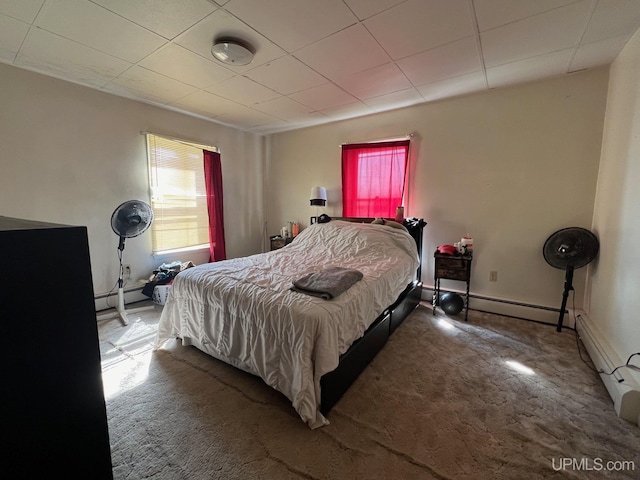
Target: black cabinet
{"x":52,"y":407}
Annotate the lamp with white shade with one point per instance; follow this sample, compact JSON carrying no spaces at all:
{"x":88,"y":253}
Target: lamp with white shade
{"x":318,"y":198}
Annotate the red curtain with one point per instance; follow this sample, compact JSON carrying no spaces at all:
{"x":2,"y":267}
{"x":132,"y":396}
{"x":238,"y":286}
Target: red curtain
{"x":373,"y":178}
{"x":213,"y":183}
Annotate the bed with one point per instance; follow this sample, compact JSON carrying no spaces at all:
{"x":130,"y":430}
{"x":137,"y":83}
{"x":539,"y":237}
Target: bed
{"x":242,"y":311}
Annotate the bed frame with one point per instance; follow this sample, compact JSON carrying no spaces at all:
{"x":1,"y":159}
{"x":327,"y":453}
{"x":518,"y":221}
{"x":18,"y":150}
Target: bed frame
{"x":334,"y":384}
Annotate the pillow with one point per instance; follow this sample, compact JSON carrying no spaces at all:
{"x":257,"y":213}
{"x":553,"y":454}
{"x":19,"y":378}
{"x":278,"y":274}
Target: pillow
{"x":389,"y":223}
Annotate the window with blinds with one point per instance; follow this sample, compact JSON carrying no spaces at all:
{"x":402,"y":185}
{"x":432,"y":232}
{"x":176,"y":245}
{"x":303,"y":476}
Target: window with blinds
{"x":178,"y":195}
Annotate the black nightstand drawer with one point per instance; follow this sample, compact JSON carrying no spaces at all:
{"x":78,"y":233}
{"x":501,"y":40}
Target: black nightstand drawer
{"x":452,"y":263}
{"x":452,"y":273}
{"x":279,"y":242}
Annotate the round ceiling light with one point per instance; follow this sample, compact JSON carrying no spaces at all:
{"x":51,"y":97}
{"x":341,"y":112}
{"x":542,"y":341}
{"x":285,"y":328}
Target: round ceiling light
{"x":231,"y":51}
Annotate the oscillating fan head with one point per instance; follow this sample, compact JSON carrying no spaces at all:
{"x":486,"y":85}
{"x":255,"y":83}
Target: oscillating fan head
{"x":570,"y":247}
{"x":131,"y":218}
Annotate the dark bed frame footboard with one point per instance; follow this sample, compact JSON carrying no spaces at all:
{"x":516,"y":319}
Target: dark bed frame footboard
{"x":334,"y":384}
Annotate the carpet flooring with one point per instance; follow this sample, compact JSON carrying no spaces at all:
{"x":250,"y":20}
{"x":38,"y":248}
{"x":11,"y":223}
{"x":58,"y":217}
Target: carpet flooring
{"x":491,"y":398}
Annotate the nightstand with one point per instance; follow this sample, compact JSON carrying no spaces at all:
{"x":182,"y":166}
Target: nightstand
{"x":278,"y":241}
{"x":451,"y":267}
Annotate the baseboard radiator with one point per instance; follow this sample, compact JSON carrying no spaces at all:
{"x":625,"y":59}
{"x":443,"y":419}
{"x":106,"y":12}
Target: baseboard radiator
{"x":106,"y":301}
{"x":624,"y":385}
{"x":506,"y":307}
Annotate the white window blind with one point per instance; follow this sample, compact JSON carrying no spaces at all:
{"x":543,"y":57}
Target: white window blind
{"x":178,"y":195}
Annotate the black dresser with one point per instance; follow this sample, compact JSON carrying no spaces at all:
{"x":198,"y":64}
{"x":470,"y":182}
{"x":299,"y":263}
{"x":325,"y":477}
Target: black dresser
{"x":52,"y":407}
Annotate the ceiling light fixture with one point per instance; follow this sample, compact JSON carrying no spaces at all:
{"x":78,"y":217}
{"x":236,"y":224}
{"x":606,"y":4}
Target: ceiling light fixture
{"x":232,"y":51}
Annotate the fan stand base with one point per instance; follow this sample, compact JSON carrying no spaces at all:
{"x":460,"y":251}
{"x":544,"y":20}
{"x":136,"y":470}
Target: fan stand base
{"x":121,"y":311}
{"x":568,"y":286}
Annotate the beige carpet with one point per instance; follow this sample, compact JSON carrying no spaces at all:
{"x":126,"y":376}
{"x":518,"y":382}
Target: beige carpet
{"x":438,"y":402}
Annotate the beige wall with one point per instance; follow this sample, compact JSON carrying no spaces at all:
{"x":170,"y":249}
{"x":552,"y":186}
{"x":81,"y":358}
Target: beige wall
{"x":509,"y":167}
{"x":71,"y":155}
{"x":615,"y":286}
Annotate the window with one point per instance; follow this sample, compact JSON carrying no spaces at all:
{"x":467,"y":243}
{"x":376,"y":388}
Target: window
{"x":373,"y":178}
{"x":178,"y":195}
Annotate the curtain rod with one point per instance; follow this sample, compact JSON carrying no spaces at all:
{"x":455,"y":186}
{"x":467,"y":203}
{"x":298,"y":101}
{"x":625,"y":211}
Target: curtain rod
{"x":380,"y":140}
{"x":184,"y":141}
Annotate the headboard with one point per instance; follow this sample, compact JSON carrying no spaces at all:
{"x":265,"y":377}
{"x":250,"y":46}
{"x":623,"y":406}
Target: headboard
{"x":415,"y":226}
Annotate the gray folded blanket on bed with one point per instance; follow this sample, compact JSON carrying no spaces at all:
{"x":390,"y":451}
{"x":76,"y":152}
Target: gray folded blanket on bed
{"x":327,"y":283}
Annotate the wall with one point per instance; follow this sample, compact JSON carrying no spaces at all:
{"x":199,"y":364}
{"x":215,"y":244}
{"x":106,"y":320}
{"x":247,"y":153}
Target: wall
{"x":71,"y":155}
{"x":615,"y":283}
{"x":508,"y":166}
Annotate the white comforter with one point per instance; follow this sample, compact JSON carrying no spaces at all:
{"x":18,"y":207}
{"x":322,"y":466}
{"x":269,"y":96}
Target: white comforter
{"x":243,"y":312}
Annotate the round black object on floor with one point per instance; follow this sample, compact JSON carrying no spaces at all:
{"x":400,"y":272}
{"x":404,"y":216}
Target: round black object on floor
{"x":451,"y":303}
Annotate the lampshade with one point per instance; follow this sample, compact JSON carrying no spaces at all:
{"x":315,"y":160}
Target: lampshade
{"x":318,"y":196}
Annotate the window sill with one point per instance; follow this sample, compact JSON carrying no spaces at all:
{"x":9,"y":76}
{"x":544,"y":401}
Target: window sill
{"x":181,"y":250}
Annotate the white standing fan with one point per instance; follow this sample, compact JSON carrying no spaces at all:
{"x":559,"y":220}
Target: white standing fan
{"x":129,"y":220}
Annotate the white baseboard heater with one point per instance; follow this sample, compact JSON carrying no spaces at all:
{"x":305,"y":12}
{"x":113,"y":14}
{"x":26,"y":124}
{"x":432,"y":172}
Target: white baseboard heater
{"x":132,"y":295}
{"x":623,"y":386}
{"x":506,"y":307}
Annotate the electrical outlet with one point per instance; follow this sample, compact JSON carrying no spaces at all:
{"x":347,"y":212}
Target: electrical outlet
{"x":493,"y":276}
{"x":126,"y":271}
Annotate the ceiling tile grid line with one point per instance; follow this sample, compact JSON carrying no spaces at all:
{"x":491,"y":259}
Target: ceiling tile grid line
{"x":314,"y":62}
{"x":582,"y":35}
{"x":476,"y":30}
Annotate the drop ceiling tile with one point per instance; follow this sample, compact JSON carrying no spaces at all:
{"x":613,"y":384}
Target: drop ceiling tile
{"x":12,"y":34}
{"x":451,"y":87}
{"x":53,"y":55}
{"x":283,"y":108}
{"x":350,"y":110}
{"x":598,"y":53}
{"x":243,"y":90}
{"x":493,"y":13}
{"x":550,"y":31}
{"x":304,"y":120}
{"x":402,"y":98}
{"x":613,"y":18}
{"x":244,"y":117}
{"x":375,"y":82}
{"x":273,"y":127}
{"x":451,"y":60}
{"x":323,"y":97}
{"x":102,"y":39}
{"x":306,"y":20}
{"x":367,"y":8}
{"x":148,"y":85}
{"x":347,"y":52}
{"x":181,"y":64}
{"x":200,"y":37}
{"x":535,"y":68}
{"x":205,"y":102}
{"x":191,"y":111}
{"x":418,"y":25}
{"x":164,"y":17}
{"x":286,"y":75}
{"x":87,"y":23}
{"x":25,"y":10}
